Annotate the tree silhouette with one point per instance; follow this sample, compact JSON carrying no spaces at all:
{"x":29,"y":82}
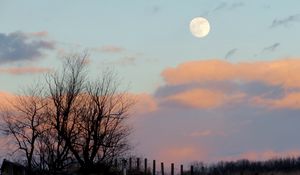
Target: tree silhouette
{"x":23,"y":121}
{"x":71,"y":119}
{"x":88,"y":115}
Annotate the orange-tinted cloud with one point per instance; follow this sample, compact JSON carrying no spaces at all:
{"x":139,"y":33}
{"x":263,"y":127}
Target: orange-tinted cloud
{"x":199,"y":71}
{"x":277,"y":72}
{"x":199,"y":98}
{"x":24,"y":70}
{"x":281,"y":73}
{"x":204,"y":98}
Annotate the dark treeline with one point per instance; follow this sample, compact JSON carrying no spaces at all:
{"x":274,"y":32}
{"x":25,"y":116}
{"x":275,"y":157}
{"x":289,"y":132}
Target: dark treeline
{"x":282,"y":165}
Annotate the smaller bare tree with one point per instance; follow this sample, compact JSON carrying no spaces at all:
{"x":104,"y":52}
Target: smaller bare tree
{"x":53,"y":153}
{"x":23,"y":121}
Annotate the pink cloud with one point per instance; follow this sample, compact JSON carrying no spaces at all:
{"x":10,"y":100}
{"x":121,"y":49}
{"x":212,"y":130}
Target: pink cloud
{"x":180,"y":154}
{"x":24,"y":70}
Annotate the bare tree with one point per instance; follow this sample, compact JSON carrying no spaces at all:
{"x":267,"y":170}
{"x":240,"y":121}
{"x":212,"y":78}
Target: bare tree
{"x":71,"y":119}
{"x":88,"y":116}
{"x":23,"y":121}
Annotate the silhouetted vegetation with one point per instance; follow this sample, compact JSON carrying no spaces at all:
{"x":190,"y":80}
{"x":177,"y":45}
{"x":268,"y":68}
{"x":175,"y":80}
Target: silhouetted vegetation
{"x":246,"y":167}
{"x":70,"y":123}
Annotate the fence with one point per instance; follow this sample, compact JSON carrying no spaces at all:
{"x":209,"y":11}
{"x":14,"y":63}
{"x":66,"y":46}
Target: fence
{"x":134,"y":165}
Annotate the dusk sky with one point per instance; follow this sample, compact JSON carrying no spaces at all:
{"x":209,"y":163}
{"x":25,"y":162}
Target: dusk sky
{"x":230,"y":95}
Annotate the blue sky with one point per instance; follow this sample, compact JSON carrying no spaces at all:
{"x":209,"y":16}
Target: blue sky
{"x":149,"y":42}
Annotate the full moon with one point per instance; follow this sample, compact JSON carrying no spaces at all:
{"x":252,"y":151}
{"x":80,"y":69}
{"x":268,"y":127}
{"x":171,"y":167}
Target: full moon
{"x":199,"y":27}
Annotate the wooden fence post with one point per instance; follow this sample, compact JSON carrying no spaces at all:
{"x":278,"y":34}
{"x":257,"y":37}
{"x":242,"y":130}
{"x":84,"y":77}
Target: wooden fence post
{"x":162,"y":168}
{"x":154,"y":169}
{"x":181,"y":169}
{"x":138,"y":164}
{"x":192,"y":170}
{"x":116,"y":163}
{"x":172,"y":168}
{"x":130,"y":164}
{"x":145,"y":166}
{"x":124,"y":166}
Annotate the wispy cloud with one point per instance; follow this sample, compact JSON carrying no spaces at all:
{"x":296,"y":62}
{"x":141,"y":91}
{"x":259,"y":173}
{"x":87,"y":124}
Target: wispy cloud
{"x":127,"y":60}
{"x":285,"y":21}
{"x":236,"y":5}
{"x":220,"y":6}
{"x":228,"y":6}
{"x":271,"y":48}
{"x":24,"y":70}
{"x":224,"y":6}
{"x":18,"y":46}
{"x":230,"y":53}
{"x":109,"y":49}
